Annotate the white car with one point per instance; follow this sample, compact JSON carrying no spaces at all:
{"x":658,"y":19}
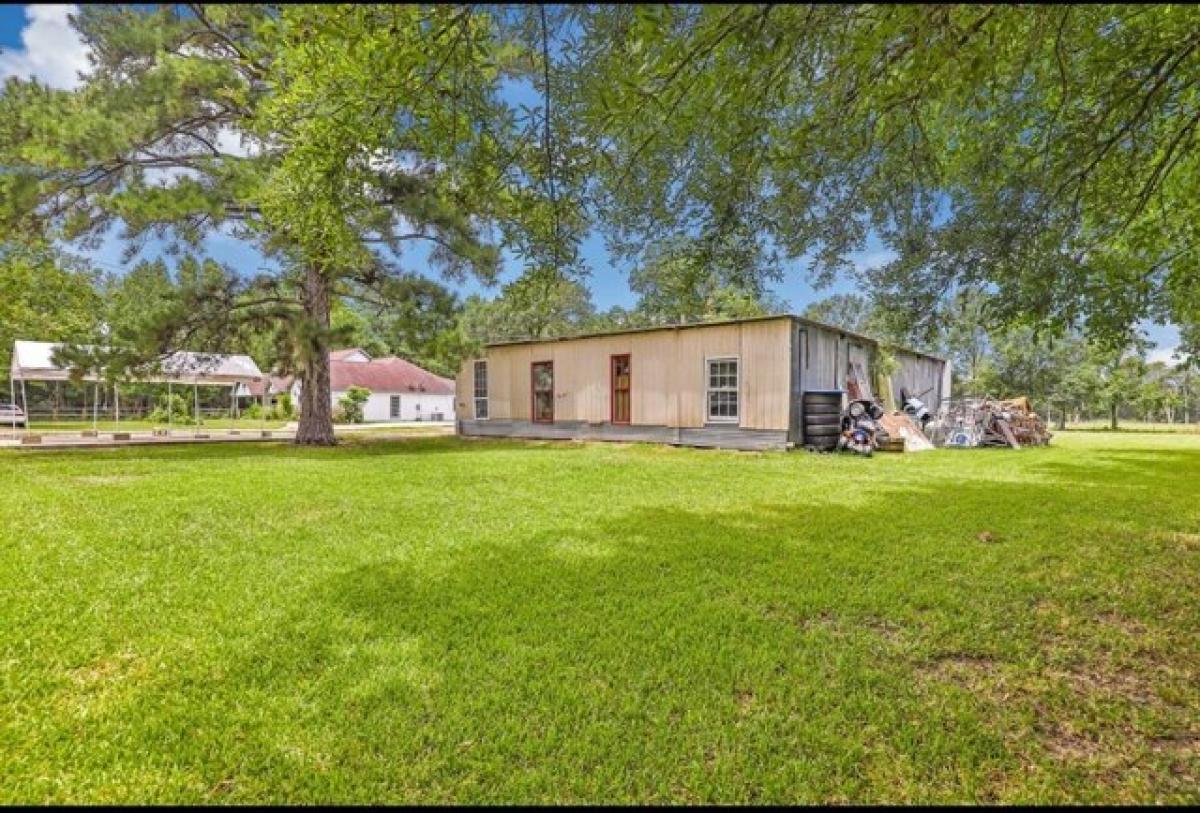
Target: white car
{"x":11,"y":415}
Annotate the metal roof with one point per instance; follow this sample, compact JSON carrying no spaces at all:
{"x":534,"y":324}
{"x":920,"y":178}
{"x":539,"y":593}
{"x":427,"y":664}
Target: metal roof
{"x":718,"y":323}
{"x":386,"y":375}
{"x":34,"y":361}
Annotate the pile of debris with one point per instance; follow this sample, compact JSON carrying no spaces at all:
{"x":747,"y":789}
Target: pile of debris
{"x":970,"y":422}
{"x":867,"y":427}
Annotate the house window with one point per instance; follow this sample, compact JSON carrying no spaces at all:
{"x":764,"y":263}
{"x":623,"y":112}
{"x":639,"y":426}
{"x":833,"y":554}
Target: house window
{"x":542,"y":387}
{"x":723,"y":390}
{"x":481,"y":390}
{"x":395,"y":406}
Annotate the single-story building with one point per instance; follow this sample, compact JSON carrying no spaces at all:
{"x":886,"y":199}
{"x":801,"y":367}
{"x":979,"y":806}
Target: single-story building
{"x":400,"y":390}
{"x":737,"y":383}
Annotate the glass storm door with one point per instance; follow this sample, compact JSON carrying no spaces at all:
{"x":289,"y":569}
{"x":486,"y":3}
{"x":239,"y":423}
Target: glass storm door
{"x":621,"y":404}
{"x":543,"y":391}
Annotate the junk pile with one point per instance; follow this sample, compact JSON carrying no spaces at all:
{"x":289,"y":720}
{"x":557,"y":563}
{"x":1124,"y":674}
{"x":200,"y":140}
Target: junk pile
{"x":860,"y":428}
{"x":864,"y":426}
{"x":971,"y":422}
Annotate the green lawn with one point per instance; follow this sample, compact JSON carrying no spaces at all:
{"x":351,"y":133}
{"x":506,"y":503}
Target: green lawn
{"x":435,"y":620}
{"x":1133,"y":426}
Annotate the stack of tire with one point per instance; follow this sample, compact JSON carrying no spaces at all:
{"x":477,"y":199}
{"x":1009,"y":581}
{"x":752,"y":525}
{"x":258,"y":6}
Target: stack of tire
{"x":822,"y":415}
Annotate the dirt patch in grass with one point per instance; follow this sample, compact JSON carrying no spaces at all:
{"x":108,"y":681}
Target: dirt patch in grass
{"x":1122,"y":684}
{"x":960,"y":664}
{"x":888,"y":631}
{"x":107,"y":669}
{"x":745,"y":700}
{"x":1184,"y":540}
{"x":1063,"y":743}
{"x":1127,"y":625}
{"x":1182,"y":744}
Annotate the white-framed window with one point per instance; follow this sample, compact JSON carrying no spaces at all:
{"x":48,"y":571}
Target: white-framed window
{"x":481,"y":390}
{"x":722,"y":389}
{"x":394,"y":405}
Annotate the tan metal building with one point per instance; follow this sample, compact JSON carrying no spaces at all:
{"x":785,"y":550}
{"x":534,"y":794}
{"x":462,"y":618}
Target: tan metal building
{"x":733,"y":384}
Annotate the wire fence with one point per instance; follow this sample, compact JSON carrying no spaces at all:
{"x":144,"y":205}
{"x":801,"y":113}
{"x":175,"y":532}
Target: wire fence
{"x":109,"y":418}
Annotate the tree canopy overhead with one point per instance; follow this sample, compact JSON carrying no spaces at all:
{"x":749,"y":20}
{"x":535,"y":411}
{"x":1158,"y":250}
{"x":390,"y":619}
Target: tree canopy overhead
{"x":1044,"y":152}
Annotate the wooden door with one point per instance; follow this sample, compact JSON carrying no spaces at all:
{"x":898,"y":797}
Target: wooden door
{"x":622,"y":401}
{"x":542,"y":386}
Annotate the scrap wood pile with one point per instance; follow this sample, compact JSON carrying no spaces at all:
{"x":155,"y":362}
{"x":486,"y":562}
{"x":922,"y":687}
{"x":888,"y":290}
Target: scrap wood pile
{"x":968,"y":422}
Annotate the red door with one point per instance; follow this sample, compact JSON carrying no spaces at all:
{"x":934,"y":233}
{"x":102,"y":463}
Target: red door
{"x":621,"y":402}
{"x":542,"y":388}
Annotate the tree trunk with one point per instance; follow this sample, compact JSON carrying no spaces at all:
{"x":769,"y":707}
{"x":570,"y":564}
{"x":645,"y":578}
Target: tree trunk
{"x":1112,"y":415}
{"x":1062,"y":418}
{"x":316,"y":405}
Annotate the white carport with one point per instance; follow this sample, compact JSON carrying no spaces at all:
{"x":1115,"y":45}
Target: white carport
{"x":34,"y":361}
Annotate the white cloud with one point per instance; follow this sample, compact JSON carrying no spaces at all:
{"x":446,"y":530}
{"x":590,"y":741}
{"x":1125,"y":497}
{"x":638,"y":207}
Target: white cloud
{"x":50,"y":49}
{"x":1163,"y":354}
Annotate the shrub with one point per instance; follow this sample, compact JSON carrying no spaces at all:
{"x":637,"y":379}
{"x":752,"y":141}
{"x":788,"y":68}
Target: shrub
{"x":351,"y":404}
{"x":171,"y":409}
{"x":284,"y":408}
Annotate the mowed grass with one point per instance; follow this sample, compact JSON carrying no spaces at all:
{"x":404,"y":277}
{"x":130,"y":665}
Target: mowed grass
{"x":437,"y":620}
{"x":1133,"y":426}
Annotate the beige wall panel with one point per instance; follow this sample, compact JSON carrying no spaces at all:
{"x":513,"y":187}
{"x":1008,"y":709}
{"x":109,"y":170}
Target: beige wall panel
{"x":766,"y":354}
{"x":512,"y":381}
{"x":464,"y":390}
{"x":668,"y":381}
{"x":652,"y":361}
{"x":688,"y":377}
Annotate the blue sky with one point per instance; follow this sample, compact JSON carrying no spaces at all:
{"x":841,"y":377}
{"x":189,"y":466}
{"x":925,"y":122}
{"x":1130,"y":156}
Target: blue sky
{"x":37,"y":40}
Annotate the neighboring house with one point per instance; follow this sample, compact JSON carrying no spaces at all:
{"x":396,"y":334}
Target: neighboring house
{"x":736,"y":384}
{"x":400,"y":390}
{"x":274,"y":386}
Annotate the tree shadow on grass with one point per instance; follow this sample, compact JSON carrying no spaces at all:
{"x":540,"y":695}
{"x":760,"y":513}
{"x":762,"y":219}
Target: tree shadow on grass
{"x":1173,"y":468}
{"x":862,"y":646}
{"x":785,"y":652}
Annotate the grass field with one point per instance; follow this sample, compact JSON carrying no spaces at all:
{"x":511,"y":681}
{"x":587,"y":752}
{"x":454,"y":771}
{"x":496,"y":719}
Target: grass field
{"x":1134,"y":426}
{"x":434,"y":620}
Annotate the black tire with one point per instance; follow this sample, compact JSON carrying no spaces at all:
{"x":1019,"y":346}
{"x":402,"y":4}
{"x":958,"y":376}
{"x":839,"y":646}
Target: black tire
{"x":825,"y":401}
{"x":823,"y":409}
{"x":822,"y":432}
{"x":833,"y":420}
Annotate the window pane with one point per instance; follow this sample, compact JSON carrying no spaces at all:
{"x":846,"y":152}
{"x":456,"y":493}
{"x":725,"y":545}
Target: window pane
{"x":481,"y":379}
{"x":723,"y":389}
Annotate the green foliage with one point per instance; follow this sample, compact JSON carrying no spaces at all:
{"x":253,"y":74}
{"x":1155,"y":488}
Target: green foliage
{"x":1044,"y":152}
{"x":44,"y":296}
{"x":684,"y":280}
{"x":351,"y":404}
{"x":537,"y":305}
{"x":284,"y":409}
{"x":172,"y":408}
{"x":337,"y":174}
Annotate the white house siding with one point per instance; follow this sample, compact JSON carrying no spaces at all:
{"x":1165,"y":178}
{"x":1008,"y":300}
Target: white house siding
{"x":414,"y":406}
